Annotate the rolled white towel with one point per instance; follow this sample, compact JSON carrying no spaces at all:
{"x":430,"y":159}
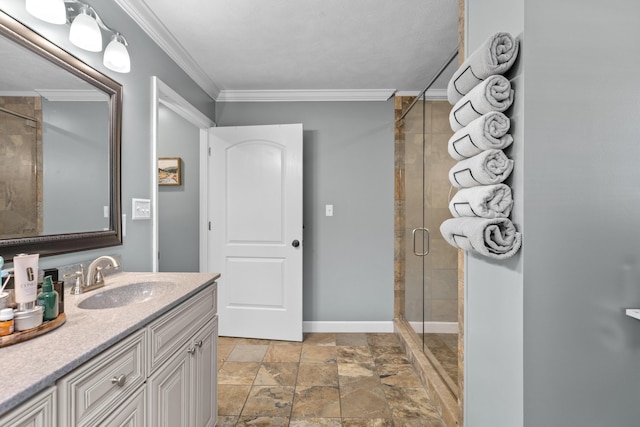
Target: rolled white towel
{"x":496,"y":56}
{"x":492,"y":237}
{"x":484,"y":133}
{"x":484,"y":201}
{"x":488,"y":167}
{"x":493,"y":94}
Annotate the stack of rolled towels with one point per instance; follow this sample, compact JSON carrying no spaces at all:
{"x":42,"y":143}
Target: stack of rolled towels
{"x":480,"y":95}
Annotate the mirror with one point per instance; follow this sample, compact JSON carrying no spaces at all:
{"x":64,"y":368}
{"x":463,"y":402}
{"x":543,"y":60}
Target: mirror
{"x":60,"y":126}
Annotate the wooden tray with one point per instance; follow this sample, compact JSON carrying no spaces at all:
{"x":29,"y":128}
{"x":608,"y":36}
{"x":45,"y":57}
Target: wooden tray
{"x":21,"y":336}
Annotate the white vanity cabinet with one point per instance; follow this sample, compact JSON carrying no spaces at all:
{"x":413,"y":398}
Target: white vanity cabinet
{"x":38,"y":411}
{"x":91,"y":392}
{"x":182,"y":385}
{"x":163,"y":375}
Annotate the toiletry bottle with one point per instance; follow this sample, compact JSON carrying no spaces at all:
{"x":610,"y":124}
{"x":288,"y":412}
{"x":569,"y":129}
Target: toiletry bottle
{"x":48,"y":299}
{"x":25,"y":280}
{"x":6,"y":321}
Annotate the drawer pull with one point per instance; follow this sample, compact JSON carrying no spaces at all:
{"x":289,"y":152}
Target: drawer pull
{"x":191,"y":350}
{"x":119,"y":381}
{"x":199,"y":343}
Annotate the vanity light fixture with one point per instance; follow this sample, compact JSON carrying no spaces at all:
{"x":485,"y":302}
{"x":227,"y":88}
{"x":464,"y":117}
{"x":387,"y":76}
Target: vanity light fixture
{"x":53,"y":11}
{"x":85,"y":32}
{"x":116,"y":56}
{"x":86,"y":29}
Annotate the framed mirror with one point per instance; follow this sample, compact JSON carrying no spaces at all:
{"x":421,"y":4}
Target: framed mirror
{"x":60,"y":131}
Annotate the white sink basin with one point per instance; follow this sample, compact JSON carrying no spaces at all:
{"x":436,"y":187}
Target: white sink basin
{"x":134,"y":293}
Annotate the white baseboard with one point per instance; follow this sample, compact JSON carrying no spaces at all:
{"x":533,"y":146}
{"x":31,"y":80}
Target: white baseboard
{"x":348,"y":327}
{"x":435,"y":327}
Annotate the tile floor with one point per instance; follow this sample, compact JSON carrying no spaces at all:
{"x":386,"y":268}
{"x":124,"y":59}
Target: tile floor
{"x":445,"y":348}
{"x":350,"y":380}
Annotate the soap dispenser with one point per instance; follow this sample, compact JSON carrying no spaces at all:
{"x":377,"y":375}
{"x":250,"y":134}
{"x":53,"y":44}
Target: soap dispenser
{"x":48,"y":299}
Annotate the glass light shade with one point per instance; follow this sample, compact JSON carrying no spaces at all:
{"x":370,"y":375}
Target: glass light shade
{"x":53,"y":11}
{"x":85,"y":33}
{"x":116,"y":56}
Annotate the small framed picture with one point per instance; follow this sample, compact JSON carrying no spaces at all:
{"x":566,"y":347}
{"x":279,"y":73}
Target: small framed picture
{"x":169,"y":171}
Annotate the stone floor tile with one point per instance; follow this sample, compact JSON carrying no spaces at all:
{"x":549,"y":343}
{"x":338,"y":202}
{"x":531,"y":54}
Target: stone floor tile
{"x":353,"y":372}
{"x":389,"y":356}
{"x":226,"y":421}
{"x":270,"y":401}
{"x":353,"y":354}
{"x":319,"y":339}
{"x":238,"y":372}
{"x":354,"y":340}
{"x":231,"y":398}
{"x":364,"y":398}
{"x":247,"y":353}
{"x":315,"y":422}
{"x":382,"y":340}
{"x":318,"y":374}
{"x":398,"y":375}
{"x":283,"y":353}
{"x":261,"y":421}
{"x":277,"y":374}
{"x":316,"y":402}
{"x":367,"y":422}
{"x":318,"y":354}
{"x":410,"y":403}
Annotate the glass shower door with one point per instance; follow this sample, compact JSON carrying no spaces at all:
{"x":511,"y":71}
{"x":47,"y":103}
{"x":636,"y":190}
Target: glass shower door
{"x":430,"y":263}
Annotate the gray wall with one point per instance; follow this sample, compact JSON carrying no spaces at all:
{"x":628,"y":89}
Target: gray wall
{"x":348,"y":162}
{"x":147,"y":60}
{"x":548,"y":343}
{"x":178,"y":206}
{"x":75,"y":166}
{"x":494,"y":290}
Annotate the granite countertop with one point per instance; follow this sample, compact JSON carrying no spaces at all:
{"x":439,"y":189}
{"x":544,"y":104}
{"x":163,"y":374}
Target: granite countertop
{"x":31,"y":366}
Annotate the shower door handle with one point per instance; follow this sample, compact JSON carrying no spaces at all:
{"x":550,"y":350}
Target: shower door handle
{"x":424,"y":231}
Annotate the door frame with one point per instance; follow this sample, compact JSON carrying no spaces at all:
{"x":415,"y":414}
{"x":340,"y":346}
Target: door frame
{"x":163,"y":94}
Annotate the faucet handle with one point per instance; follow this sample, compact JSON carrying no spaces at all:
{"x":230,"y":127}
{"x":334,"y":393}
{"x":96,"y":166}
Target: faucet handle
{"x":99,"y":277}
{"x":78,"y":283}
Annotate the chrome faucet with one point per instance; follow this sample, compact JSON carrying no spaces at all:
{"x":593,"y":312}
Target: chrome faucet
{"x":95,"y":278}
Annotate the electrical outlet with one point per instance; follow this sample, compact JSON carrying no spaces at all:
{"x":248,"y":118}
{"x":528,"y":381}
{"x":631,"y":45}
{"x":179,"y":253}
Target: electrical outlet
{"x":328,"y":210}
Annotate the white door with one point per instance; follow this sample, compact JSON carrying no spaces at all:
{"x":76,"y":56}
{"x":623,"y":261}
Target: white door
{"x":255,"y":203}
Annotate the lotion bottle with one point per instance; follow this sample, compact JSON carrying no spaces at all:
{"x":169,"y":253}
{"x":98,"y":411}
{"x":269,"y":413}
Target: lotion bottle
{"x":25,"y":277}
{"x":48,"y":299}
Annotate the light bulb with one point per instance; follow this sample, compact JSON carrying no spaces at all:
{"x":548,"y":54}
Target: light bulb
{"x":85,"y":32}
{"x":53,"y":11}
{"x":116,"y":56}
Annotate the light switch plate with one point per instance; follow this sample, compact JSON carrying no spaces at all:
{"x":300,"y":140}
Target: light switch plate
{"x":141,"y":209}
{"x":328,"y":210}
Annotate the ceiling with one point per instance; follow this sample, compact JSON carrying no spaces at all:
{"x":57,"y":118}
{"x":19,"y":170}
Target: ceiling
{"x":304,"y":49}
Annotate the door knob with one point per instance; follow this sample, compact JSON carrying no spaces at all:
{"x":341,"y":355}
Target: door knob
{"x":295,"y":243}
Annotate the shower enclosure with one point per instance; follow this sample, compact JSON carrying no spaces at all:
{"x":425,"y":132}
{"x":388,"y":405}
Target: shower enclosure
{"x":426,"y":266}
{"x":430,"y":264}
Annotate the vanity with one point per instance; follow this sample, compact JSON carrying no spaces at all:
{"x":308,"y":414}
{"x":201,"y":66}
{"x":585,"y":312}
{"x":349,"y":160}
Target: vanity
{"x":139,"y":351}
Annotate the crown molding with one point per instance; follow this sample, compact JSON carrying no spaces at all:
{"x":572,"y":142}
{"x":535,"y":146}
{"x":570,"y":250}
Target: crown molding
{"x":54,"y":95}
{"x":19,"y":93}
{"x":305,"y":95}
{"x":150,"y":24}
{"x":432,"y":94}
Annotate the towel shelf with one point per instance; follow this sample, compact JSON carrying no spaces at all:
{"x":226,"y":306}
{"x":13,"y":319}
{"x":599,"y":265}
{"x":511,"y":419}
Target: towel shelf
{"x":633,"y":312}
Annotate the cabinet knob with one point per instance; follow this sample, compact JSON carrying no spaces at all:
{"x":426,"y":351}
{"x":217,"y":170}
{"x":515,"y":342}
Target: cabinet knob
{"x":199,"y":343}
{"x":119,"y":380}
{"x":191,"y":350}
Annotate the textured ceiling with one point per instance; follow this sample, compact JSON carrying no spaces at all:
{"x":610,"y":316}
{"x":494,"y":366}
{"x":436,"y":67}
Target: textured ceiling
{"x":297,"y":45}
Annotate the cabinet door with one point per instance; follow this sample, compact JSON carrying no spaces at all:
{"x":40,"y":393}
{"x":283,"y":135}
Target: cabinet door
{"x":205,"y":378}
{"x":39,"y":411}
{"x":132,"y":413}
{"x":170,"y":391}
